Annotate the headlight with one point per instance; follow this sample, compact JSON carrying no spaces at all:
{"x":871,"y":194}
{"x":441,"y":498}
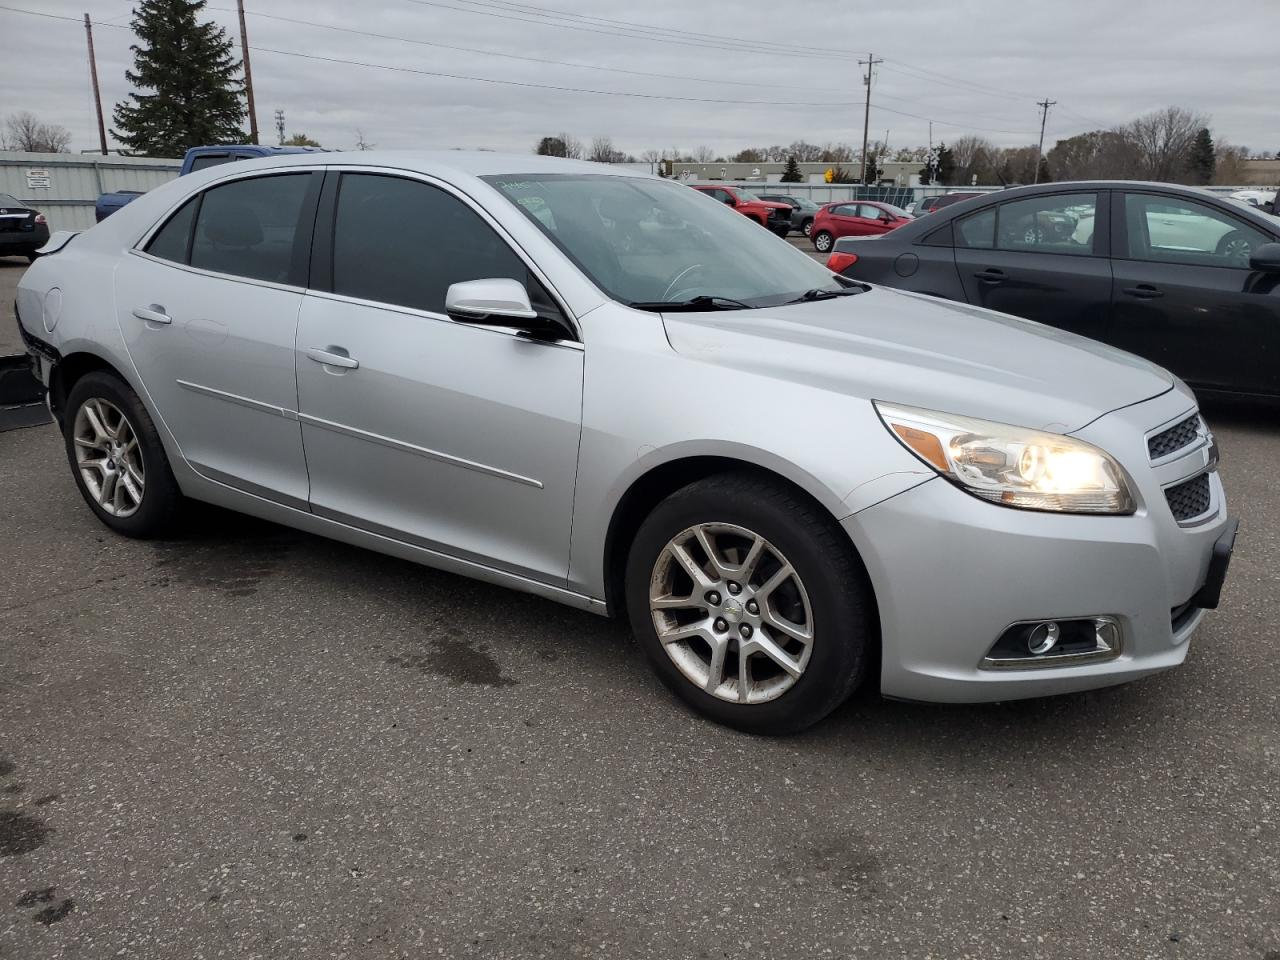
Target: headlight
{"x":1012,"y":466}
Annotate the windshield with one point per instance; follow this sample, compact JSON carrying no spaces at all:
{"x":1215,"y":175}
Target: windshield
{"x":649,"y":241}
{"x":745,"y":194}
{"x":896,"y":211}
{"x":8,"y":201}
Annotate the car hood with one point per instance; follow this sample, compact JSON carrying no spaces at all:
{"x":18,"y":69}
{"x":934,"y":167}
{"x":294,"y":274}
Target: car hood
{"x":896,"y":346}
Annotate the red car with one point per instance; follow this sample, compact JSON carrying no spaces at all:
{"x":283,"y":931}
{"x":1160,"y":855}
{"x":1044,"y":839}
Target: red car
{"x":774,"y":216}
{"x":854,"y":218}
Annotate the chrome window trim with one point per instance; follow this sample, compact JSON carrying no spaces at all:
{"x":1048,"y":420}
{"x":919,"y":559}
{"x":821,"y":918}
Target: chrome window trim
{"x":215,"y":275}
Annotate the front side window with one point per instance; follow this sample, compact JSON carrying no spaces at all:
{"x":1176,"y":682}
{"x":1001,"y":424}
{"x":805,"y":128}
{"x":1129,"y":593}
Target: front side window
{"x":404,"y":242}
{"x":247,"y":228}
{"x":1169,"y":230}
{"x":868,"y":212}
{"x":649,"y":241}
{"x":1061,"y":223}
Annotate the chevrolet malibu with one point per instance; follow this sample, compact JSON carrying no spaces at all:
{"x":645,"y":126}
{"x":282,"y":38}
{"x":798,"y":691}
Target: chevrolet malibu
{"x":609,"y":390}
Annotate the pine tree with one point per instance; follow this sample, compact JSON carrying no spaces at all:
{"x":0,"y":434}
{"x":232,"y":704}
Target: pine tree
{"x":946,"y":164}
{"x":195,"y":93}
{"x":1045,"y":175}
{"x":1201,"y":161}
{"x":792,"y":172}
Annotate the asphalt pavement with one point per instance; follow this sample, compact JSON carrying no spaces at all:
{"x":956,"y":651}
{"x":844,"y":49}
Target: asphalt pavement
{"x":255,"y":743}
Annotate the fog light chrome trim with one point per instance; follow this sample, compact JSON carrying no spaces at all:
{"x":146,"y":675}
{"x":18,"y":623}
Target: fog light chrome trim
{"x":1108,"y":636}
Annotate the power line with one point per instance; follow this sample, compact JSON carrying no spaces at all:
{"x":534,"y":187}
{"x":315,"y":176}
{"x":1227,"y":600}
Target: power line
{"x":510,"y":56}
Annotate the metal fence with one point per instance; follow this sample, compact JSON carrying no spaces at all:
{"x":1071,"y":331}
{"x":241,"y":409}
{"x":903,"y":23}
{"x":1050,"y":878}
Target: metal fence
{"x":64,"y":186}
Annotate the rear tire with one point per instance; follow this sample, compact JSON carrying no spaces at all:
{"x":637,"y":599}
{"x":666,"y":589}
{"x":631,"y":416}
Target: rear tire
{"x":117,"y":459}
{"x":807,"y":227}
{"x":790,"y":682}
{"x":823,"y":241}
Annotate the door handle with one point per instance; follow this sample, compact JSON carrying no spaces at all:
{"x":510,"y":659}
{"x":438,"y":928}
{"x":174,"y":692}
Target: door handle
{"x":152,"y":314}
{"x":331,"y":359}
{"x":991,"y":275}
{"x":1144,"y":291}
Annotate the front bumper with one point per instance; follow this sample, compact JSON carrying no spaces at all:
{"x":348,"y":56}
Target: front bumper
{"x":952,"y":572}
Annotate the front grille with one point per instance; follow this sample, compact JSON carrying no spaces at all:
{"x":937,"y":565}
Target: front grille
{"x":1190,"y":498}
{"x":1180,"y":435}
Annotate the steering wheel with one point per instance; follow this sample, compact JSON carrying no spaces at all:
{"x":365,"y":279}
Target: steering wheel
{"x":666,"y":294}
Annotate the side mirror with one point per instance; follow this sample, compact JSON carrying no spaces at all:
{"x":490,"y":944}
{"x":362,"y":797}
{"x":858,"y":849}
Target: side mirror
{"x":1266,"y":258}
{"x":499,"y":302}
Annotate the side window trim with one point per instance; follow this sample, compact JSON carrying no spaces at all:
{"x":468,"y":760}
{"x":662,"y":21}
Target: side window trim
{"x":322,"y":249}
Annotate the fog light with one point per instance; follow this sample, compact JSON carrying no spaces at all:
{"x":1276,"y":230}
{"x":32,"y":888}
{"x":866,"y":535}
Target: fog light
{"x":1043,"y":638}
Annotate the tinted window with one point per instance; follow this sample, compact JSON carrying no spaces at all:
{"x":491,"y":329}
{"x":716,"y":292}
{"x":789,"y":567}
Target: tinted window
{"x":247,"y":228}
{"x":206,"y":160}
{"x":1062,"y":223}
{"x":174,"y":238}
{"x":404,"y":242}
{"x":1169,"y":230}
{"x":978,"y":230}
{"x":8,"y":201}
{"x":845,"y":210}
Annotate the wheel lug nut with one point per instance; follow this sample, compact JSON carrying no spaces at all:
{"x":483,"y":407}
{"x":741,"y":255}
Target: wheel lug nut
{"x":734,"y":588}
{"x":713,"y":598}
{"x":720,"y":625}
{"x":752,"y":607}
{"x":745,"y":630}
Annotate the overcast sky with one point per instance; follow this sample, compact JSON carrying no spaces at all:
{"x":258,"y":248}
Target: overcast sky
{"x":986,"y":63}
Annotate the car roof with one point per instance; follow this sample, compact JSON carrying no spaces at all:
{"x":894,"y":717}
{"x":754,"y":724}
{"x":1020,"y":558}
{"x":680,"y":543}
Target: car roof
{"x":474,"y":163}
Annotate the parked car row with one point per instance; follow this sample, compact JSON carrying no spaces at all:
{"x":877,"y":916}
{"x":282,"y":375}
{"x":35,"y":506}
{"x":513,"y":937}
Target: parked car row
{"x":1184,"y":278}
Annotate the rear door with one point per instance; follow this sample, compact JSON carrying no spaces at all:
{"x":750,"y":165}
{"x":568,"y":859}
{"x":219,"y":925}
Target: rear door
{"x":208,"y":306}
{"x":1043,"y":258}
{"x":1183,"y":294}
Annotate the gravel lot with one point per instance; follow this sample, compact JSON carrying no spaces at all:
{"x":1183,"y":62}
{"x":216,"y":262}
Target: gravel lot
{"x":256,"y":743}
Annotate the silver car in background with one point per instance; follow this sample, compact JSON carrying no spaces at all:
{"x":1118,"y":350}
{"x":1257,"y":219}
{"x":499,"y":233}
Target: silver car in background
{"x":607,"y":389}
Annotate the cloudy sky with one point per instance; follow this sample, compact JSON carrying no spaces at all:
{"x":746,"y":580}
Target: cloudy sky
{"x":705,"y":68}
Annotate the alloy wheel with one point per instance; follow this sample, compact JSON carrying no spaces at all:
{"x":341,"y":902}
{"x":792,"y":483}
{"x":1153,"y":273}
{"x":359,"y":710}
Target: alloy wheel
{"x":823,"y":242}
{"x":1238,"y":251}
{"x":731,"y":612}
{"x":109,"y":457}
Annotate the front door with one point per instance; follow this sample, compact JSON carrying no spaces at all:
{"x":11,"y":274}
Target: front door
{"x":1041,"y":259}
{"x":1184,"y":295}
{"x":462,"y":439}
{"x":209,"y":310}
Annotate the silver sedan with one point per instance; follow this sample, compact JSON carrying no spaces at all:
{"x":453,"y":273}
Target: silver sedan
{"x":609,"y":390}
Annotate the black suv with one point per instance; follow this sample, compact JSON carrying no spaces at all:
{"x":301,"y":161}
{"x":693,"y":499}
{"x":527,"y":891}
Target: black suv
{"x":802,"y":210}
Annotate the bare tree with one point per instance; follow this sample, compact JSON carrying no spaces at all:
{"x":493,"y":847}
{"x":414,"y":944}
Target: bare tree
{"x":837,"y":153}
{"x":1096,"y":155}
{"x":749,"y":155}
{"x":602,"y":151}
{"x":805,"y":152}
{"x":1229,"y":164}
{"x":1163,"y":140}
{"x":361,"y":143}
{"x":572,"y":146}
{"x":703,"y":154}
{"x":973,"y":157}
{"x":24,"y":131}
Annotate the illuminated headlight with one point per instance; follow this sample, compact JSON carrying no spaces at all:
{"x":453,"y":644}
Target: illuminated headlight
{"x":1012,"y":466}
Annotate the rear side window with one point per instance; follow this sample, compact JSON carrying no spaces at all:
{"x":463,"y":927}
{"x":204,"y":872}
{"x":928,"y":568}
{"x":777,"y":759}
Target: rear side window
{"x":404,"y":242}
{"x":206,"y":160}
{"x":978,"y":230}
{"x":1060,"y":223}
{"x":173,"y":240}
{"x":248,"y":228}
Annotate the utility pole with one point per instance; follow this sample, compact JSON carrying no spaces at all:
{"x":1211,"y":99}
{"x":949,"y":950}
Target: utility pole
{"x":280,"y":125}
{"x":870,"y":64}
{"x":93,"y":75}
{"x":1044,"y":106}
{"x":248,"y":75}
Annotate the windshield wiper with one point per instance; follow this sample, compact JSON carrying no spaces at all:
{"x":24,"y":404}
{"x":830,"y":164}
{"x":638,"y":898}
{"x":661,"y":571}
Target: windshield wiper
{"x":691,"y":305}
{"x":826,"y":293}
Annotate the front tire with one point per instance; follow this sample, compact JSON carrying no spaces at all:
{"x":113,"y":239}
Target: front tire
{"x":750,"y":603}
{"x":823,"y":241}
{"x":117,"y":460}
{"x":807,"y":227}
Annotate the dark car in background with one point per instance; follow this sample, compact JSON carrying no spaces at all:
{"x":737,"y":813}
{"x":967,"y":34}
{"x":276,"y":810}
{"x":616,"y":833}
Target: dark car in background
{"x":934,"y":204}
{"x":23,"y":230}
{"x":803,"y":210}
{"x":1186,"y":279}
